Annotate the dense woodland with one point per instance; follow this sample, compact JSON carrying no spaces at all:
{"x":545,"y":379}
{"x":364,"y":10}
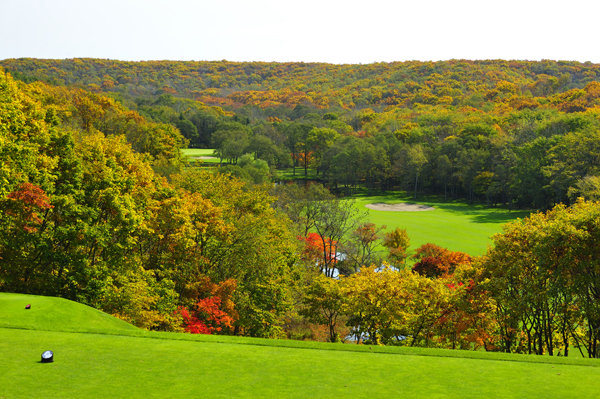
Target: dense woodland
{"x":511,"y":132}
{"x":97,"y":204}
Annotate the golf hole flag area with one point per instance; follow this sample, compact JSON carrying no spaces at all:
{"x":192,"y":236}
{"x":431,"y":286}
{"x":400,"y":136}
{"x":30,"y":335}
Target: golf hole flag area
{"x":101,"y":357}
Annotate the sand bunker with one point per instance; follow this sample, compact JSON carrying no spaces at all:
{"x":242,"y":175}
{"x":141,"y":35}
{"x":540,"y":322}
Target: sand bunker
{"x":204,"y":157}
{"x":399,"y":207}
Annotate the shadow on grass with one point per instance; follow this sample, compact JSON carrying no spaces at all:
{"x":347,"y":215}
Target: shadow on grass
{"x":483,"y":214}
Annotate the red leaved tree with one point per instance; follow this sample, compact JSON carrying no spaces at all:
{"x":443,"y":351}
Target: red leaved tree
{"x":316,"y":251}
{"x":24,"y":205}
{"x":206,"y":318}
{"x":435,"y":261}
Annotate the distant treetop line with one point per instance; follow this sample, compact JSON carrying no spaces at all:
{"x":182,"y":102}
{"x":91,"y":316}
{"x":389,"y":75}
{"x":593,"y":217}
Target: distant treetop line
{"x":318,"y":84}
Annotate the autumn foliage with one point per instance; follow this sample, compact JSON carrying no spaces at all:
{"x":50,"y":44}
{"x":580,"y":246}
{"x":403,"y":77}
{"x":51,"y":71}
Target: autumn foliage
{"x":87,"y":213}
{"x":397,"y":243}
{"x":98,"y":205}
{"x":26,"y":203}
{"x":206,"y":317}
{"x":434,"y":261}
{"x":315,"y":249}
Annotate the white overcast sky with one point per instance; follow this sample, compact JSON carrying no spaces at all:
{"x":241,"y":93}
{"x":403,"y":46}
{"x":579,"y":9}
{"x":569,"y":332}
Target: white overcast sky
{"x":310,"y":30}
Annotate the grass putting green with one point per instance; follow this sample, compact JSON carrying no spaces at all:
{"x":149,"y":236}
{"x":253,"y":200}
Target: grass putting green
{"x":131,"y":363}
{"x":455,"y":225}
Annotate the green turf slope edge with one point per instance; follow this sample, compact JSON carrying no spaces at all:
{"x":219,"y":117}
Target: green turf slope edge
{"x":55,"y":314}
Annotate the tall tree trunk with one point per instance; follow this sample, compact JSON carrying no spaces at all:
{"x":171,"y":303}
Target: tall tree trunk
{"x":445,"y":191}
{"x":416,"y":184}
{"x":565,"y":337}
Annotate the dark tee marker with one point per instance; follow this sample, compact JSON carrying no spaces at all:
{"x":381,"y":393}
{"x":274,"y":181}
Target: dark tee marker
{"x":48,"y":357}
{"x":28,"y":307}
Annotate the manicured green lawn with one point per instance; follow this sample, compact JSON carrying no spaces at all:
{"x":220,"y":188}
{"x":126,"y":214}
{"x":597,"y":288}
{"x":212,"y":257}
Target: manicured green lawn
{"x":457,"y":226}
{"x":191,"y":155}
{"x":125,"y":362}
{"x":102,"y":366}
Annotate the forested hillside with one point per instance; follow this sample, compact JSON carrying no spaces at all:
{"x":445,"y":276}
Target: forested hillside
{"x":511,"y":132}
{"x":321,"y":85}
{"x":86,"y":214}
{"x":97,"y":204}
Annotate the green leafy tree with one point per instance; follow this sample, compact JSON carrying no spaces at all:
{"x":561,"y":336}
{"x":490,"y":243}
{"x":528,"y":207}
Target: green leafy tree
{"x":319,"y":140}
{"x":257,"y":250}
{"x":410,"y":164}
{"x":397,"y":242}
{"x":230,"y":141}
{"x":360,"y":248}
{"x":541,"y":275}
{"x":323,"y":304}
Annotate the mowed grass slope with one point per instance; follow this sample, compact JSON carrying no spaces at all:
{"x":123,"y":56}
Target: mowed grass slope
{"x":121,"y":364}
{"x":455,"y":225}
{"x":55,"y":314}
